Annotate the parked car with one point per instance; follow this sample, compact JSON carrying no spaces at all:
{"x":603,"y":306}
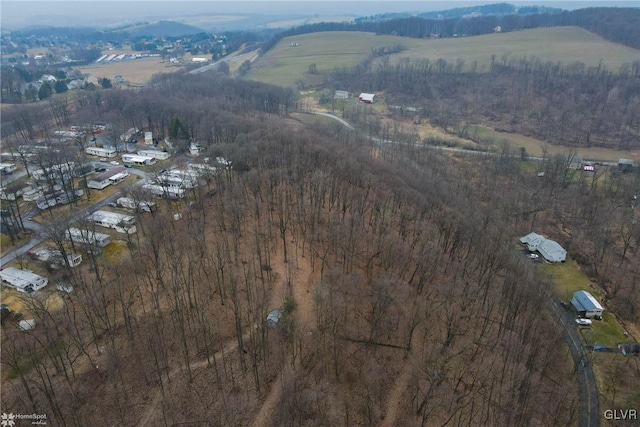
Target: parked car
{"x":583,"y":322}
{"x":534,"y":256}
{"x":127,"y":166}
{"x":101,"y":169}
{"x":112,"y":205}
{"x":67,"y":289}
{"x":114,"y":163}
{"x":103,"y":159}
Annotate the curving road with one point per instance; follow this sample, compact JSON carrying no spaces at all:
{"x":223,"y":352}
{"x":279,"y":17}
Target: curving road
{"x":39,"y":229}
{"x":589,"y":398}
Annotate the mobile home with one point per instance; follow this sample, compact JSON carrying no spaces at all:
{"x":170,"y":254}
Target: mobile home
{"x":164,"y":191}
{"x":137,"y":205}
{"x":23,"y":280}
{"x":119,"y":222}
{"x":156,"y":154}
{"x":101,"y":152}
{"x":138,"y":160}
{"x":88,"y":237}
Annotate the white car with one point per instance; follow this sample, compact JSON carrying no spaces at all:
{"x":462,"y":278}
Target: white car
{"x":103,"y":159}
{"x":65,"y":288}
{"x":115,"y":163}
{"x":583,"y":322}
{"x":534,"y":256}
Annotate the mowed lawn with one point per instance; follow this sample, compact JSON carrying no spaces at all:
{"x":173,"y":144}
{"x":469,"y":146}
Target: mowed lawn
{"x":285,"y":64}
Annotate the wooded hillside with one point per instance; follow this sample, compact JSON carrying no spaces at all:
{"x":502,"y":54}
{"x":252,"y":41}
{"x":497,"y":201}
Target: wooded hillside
{"x":404,"y":301}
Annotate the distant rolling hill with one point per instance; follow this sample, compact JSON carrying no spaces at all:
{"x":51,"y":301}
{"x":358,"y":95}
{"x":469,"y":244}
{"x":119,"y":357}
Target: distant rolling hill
{"x":159,"y":29}
{"x":286,"y":65}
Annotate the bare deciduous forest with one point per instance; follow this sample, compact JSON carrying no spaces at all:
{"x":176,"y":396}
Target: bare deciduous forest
{"x":404,"y":300}
{"x":570,"y":105}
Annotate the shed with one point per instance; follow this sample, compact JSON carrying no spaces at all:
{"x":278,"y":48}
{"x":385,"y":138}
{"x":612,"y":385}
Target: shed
{"x":273,"y":318}
{"x":625,"y":165}
{"x":366,"y":98}
{"x":341,"y":94}
{"x":629,"y":348}
{"x":27,"y":324}
{"x":586,"y":305}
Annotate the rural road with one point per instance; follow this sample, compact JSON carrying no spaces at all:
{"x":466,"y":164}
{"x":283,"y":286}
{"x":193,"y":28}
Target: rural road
{"x":589,"y":399}
{"x":443,"y":148}
{"x":589,"y":404}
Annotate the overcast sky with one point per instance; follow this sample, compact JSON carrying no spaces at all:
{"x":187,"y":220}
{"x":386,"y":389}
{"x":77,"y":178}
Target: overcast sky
{"x":17,"y":14}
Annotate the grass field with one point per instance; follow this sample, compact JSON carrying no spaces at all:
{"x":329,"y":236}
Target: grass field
{"x":568,"y":278}
{"x":137,"y":71}
{"x":284,"y":64}
{"x":535,"y":147}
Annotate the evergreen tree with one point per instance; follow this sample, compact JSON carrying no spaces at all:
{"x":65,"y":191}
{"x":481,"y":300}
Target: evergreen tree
{"x":45,"y":91}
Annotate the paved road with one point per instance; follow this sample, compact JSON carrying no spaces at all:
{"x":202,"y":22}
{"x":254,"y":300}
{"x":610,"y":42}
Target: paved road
{"x":589,"y":398}
{"x":443,"y":148}
{"x":214,"y":65}
{"x":39,"y":230}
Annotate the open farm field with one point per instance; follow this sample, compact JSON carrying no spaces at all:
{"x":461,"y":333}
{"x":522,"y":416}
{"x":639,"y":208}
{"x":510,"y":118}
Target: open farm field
{"x":556,"y":44}
{"x":285,"y":64}
{"x":137,"y":71}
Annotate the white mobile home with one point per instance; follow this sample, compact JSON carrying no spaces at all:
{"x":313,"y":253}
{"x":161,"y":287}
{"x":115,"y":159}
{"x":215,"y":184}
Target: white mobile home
{"x":586,"y":305}
{"x":178,"y":178}
{"x":164,"y":191}
{"x":7,"y":167}
{"x":137,"y":205}
{"x":119,"y":222}
{"x":138,"y":160}
{"x":155,"y":154}
{"x":105,"y":179}
{"x":23,"y":280}
{"x":88,"y":237}
{"x":54,"y":257}
{"x":203,"y":170}
{"x":101,"y":152}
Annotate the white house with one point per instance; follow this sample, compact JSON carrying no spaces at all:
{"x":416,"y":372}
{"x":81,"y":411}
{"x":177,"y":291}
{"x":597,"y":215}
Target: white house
{"x":549,"y":249}
{"x":552,"y":251}
{"x":532,"y":240}
{"x":23,"y":280}
{"x":586,"y":305}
